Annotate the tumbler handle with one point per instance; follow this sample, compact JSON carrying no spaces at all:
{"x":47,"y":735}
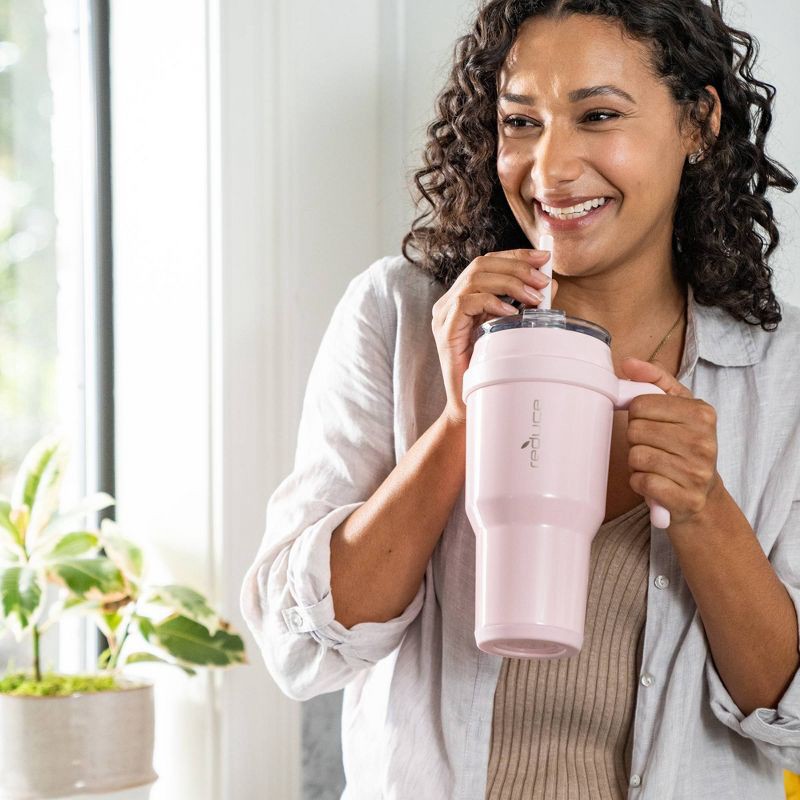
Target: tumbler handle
{"x":659,"y":516}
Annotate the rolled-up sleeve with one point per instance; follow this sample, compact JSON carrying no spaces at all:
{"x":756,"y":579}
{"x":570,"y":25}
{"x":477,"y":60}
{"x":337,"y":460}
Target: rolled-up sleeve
{"x":345,"y":450}
{"x":775,"y":731}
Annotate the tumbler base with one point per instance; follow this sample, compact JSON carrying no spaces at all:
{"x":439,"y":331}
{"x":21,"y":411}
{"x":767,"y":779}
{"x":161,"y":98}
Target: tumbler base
{"x":528,"y":641}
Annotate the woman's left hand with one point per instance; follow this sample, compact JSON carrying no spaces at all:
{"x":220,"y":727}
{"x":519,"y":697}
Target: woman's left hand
{"x":673,"y":444}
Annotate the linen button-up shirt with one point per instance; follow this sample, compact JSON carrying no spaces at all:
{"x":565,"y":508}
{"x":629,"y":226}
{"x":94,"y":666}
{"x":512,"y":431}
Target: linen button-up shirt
{"x":418,"y":693}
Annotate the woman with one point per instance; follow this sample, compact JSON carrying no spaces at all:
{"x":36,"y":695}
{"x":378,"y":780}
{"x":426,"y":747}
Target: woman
{"x":687,"y":684}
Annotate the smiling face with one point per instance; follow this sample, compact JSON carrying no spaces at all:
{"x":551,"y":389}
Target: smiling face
{"x":555,"y":143}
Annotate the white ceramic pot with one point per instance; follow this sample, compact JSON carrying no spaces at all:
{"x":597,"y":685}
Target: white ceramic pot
{"x":65,"y":747}
{"x":139,"y":793}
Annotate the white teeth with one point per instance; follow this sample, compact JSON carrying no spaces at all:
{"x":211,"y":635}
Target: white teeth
{"x":573,"y":212}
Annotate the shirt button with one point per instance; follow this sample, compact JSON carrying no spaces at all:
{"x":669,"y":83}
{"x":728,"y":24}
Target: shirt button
{"x":636,"y":780}
{"x":647,"y":679}
{"x":661,"y":581}
{"x":297,"y":620}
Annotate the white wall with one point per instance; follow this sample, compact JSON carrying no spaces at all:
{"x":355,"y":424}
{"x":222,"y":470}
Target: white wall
{"x":776,"y":24}
{"x":160,"y":155}
{"x":260,"y":154}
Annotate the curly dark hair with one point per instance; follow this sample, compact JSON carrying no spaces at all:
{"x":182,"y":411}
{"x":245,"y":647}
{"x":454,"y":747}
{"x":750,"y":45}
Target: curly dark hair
{"x":716,"y":245}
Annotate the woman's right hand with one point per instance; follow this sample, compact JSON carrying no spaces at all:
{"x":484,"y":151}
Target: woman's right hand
{"x":472,"y":300}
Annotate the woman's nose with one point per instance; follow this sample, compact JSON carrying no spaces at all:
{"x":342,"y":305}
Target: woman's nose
{"x":557,"y":158}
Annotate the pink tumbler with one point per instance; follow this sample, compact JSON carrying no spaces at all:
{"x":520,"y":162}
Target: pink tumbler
{"x":540,"y":393}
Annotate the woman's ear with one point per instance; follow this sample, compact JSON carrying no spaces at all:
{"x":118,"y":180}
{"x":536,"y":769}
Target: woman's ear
{"x":695,"y":142}
{"x":716,"y":114}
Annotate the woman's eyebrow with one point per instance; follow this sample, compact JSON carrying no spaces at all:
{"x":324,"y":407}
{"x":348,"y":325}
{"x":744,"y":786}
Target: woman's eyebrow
{"x":574,"y":96}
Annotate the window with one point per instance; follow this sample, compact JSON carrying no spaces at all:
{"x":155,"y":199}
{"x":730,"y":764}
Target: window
{"x":54,"y":320}
{"x":28,"y":287}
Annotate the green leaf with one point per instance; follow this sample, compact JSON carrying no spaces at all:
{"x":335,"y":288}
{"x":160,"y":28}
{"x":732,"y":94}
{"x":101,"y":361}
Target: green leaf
{"x":141,"y":657}
{"x":188,"y":602}
{"x":126,"y":555}
{"x":21,"y":598}
{"x":69,"y":604}
{"x":73,"y":602}
{"x":9,"y":535}
{"x":73,"y":544}
{"x":8,"y":557}
{"x":146,"y":627}
{"x":72,"y":518}
{"x":190,"y":642}
{"x":30,"y":472}
{"x":38,"y":483}
{"x":108,"y":623}
{"x":84,"y":575}
{"x":104,"y":658}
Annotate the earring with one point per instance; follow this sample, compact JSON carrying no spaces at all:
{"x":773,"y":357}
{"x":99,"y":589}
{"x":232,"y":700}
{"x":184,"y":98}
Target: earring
{"x":695,"y":157}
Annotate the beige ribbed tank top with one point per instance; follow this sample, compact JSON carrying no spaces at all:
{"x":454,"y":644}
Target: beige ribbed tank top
{"x":562,"y":728}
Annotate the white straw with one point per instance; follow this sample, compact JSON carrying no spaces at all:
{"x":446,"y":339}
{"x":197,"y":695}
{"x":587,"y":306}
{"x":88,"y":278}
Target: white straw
{"x":546,"y":243}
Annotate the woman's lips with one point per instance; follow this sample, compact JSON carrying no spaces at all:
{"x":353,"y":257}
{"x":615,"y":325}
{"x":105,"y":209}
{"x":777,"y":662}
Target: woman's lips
{"x":571,"y":224}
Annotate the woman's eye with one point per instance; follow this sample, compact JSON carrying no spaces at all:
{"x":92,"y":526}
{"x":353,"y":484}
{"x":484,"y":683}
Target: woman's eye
{"x":510,"y":122}
{"x":521,"y":122}
{"x":608,"y":114}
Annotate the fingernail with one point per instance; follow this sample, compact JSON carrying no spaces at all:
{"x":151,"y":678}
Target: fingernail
{"x":536,"y":295}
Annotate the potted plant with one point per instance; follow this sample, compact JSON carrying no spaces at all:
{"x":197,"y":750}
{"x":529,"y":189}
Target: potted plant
{"x":62,"y":735}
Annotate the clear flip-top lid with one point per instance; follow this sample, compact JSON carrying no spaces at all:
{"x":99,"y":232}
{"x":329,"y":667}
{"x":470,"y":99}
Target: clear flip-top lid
{"x":543,"y":318}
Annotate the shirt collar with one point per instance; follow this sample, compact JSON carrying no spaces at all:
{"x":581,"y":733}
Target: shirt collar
{"x":714,"y":335}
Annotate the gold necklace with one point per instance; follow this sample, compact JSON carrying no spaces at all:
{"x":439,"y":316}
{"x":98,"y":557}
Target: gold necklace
{"x":663,"y":341}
